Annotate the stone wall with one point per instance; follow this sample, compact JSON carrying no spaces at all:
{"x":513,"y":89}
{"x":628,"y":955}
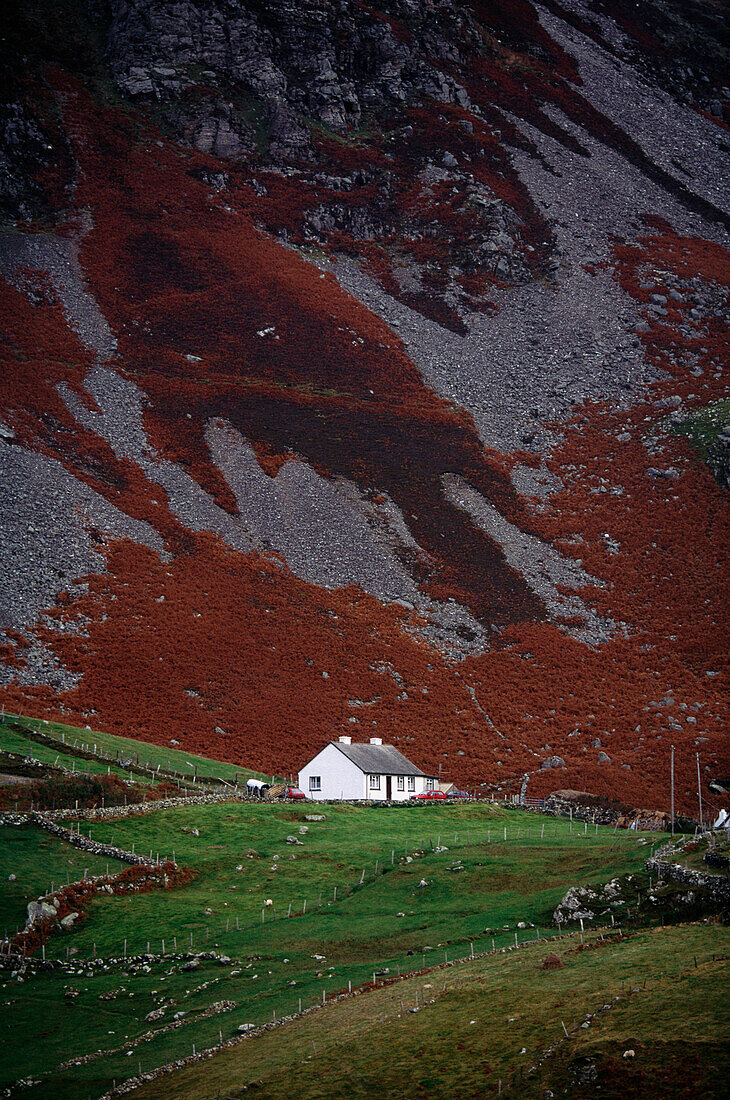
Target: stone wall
{"x":717,"y":886}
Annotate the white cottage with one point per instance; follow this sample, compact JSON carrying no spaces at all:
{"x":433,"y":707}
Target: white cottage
{"x":373,"y":771}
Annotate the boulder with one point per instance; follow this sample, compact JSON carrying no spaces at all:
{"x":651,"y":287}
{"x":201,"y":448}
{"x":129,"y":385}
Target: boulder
{"x":552,"y":762}
{"x":41,"y":910}
{"x":69,"y":921}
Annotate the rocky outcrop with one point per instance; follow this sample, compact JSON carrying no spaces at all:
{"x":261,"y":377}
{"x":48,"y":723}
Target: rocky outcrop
{"x":329,"y":86}
{"x":241,"y":72}
{"x":586,"y":903}
{"x":26,"y":151}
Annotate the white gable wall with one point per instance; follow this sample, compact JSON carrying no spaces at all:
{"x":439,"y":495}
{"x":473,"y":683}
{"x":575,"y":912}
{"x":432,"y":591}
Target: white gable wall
{"x":340,"y":778}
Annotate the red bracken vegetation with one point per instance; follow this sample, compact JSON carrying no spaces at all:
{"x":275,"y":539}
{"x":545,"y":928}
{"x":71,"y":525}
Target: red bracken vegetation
{"x":240,"y":644}
{"x":37,"y":353}
{"x":217,"y":320}
{"x":662,"y":680}
{"x":179,"y":275}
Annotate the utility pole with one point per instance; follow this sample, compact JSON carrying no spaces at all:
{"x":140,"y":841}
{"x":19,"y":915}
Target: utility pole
{"x":699,"y":789}
{"x":672,"y":788}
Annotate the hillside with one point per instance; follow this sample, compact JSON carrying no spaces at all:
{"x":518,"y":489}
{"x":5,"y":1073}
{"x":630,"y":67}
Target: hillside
{"x":273,"y":914}
{"x":390,"y":938}
{"x":364,"y":369}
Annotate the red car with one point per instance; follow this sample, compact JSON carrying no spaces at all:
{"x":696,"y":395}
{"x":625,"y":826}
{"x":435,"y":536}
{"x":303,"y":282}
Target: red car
{"x":429,"y":796}
{"x":292,"y":792}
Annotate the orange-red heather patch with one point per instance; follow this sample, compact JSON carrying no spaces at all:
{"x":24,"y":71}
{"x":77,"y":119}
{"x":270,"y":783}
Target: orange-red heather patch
{"x":217,"y":640}
{"x":215,"y":319}
{"x":38,"y":352}
{"x":663,"y":679}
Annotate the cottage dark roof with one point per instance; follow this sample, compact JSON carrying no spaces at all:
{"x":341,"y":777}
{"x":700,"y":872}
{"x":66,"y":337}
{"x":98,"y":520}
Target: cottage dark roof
{"x":378,"y":759}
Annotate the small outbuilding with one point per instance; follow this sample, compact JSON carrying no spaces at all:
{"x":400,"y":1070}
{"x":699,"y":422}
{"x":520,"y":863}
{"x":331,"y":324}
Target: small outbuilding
{"x":371,"y":771}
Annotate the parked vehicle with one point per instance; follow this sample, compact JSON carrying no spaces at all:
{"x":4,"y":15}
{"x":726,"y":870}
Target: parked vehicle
{"x":458,"y":794}
{"x":292,"y":792}
{"x":428,"y":796}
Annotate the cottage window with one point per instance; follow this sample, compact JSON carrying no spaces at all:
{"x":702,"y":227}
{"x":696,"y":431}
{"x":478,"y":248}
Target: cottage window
{"x":429,"y":784}
{"x":374,"y":782}
{"x":315,"y":782}
{"x":401,"y":782}
{"x":411,"y":782}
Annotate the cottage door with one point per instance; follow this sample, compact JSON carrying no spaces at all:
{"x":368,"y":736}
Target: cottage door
{"x":388,"y":788}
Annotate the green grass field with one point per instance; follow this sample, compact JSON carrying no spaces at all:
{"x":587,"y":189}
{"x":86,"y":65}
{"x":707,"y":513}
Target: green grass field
{"x":485,"y":1024}
{"x":389,"y":922}
{"x":38,"y":862}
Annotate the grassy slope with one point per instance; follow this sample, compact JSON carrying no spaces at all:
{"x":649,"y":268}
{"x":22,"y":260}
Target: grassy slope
{"x":151,"y":755}
{"x":13,"y":741}
{"x":491,"y":1019}
{"x":503,"y":883}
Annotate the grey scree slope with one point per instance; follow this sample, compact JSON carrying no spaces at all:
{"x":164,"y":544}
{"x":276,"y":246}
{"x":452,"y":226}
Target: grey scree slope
{"x":378,"y":758}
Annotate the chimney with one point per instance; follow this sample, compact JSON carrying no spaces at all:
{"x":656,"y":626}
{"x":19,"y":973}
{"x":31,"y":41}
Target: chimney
{"x":345,"y":740}
{"x":376,"y":740}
